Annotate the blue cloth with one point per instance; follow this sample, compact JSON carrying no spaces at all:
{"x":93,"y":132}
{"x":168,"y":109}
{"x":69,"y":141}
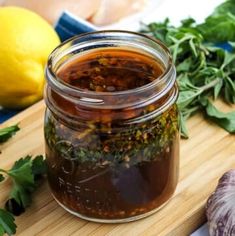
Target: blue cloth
{"x":226,"y":46}
{"x":6,"y":114}
{"x":69,"y":25}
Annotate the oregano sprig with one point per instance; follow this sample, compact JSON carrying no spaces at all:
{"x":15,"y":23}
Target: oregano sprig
{"x":204,"y":56}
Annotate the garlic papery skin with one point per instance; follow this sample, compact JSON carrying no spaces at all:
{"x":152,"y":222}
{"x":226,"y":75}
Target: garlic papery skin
{"x":220,"y":208}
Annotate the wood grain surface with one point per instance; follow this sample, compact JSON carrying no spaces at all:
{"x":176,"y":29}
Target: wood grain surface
{"x":208,"y":153}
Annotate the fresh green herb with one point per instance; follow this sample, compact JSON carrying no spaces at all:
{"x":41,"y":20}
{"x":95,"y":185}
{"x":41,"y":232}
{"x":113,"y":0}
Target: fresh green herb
{"x":225,"y":120}
{"x":7,"y":225}
{"x":220,"y":25}
{"x":24,"y":174}
{"x":204,"y":70}
{"x":8,"y":132}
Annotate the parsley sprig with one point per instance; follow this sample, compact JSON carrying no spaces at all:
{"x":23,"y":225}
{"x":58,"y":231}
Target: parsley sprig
{"x":25,"y":175}
{"x":205,"y":70}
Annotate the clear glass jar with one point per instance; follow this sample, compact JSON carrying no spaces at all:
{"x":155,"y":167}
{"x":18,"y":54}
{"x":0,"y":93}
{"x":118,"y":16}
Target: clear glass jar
{"x":112,"y":153}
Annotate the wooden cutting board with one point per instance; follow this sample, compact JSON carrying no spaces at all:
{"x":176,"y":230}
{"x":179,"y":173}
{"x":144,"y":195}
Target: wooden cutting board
{"x":208,"y":153}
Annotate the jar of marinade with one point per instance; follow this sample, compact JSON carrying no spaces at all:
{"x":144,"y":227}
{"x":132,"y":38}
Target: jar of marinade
{"x":111,"y":126}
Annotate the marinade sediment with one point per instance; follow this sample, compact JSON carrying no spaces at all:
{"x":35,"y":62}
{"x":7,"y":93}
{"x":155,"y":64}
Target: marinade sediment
{"x":107,"y":164}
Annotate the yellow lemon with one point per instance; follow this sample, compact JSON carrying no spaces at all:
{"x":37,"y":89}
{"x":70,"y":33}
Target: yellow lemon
{"x":25,"y":43}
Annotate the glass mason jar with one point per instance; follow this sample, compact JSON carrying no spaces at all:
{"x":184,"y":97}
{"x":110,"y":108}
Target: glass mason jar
{"x":111,"y":126}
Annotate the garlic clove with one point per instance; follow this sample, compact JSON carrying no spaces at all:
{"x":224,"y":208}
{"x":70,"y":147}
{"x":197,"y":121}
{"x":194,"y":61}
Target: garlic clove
{"x":220,"y":208}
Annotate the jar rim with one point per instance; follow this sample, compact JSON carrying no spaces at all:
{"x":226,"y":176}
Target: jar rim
{"x":98,"y":97}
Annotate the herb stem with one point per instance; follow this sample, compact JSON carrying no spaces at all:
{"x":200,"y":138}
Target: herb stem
{"x":210,"y":85}
{"x":191,"y":110}
{"x":207,"y":87}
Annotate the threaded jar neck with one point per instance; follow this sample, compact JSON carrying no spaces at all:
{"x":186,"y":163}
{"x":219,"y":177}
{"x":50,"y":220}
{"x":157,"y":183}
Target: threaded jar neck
{"x":159,"y":88}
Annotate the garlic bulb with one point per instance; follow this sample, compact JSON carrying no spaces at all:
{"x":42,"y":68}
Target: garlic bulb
{"x":220,"y":208}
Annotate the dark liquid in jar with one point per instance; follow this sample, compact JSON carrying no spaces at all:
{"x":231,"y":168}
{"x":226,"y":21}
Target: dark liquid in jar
{"x":108,"y":169}
{"x":111,"y":71}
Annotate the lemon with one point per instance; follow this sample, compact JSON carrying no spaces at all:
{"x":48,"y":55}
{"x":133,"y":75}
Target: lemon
{"x":25,"y":43}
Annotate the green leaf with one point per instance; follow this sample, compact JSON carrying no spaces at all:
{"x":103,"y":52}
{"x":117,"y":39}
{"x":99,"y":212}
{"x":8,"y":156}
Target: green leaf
{"x":183,"y":128}
{"x":159,"y":30}
{"x":21,"y":195}
{"x":7,"y":224}
{"x":229,"y":90}
{"x":228,"y":59}
{"x":217,"y":89}
{"x":38,"y":166}
{"x":186,"y":97}
{"x":227,"y":6}
{"x":23,"y":181}
{"x":188,"y":92}
{"x":184,"y":66}
{"x":1,"y":178}
{"x":2,"y":231}
{"x":224,"y":120}
{"x":185,"y":83}
{"x":24,"y":174}
{"x":8,"y":132}
{"x":218,"y":28}
{"x":21,"y":171}
{"x":187,"y":22}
